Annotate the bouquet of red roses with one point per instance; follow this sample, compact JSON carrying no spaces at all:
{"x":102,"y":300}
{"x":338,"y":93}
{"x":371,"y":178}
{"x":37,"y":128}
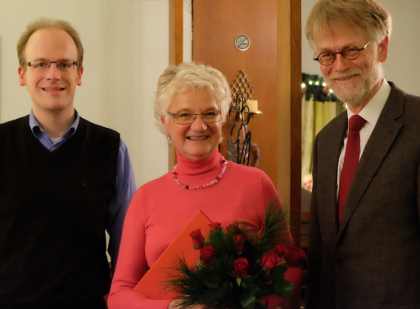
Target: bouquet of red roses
{"x":238,"y":264}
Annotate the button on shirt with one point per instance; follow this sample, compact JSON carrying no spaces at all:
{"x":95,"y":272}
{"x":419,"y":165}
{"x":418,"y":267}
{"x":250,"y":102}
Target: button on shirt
{"x":125,"y":182}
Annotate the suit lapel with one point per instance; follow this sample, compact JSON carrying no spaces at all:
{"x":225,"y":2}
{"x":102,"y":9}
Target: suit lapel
{"x":381,"y":140}
{"x":330,"y":149}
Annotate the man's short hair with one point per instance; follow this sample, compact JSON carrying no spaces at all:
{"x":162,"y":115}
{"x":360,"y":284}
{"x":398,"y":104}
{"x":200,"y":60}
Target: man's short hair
{"x":49,"y":23}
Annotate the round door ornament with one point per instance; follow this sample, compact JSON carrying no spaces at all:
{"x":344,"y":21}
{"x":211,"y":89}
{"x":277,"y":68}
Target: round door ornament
{"x":242,"y":42}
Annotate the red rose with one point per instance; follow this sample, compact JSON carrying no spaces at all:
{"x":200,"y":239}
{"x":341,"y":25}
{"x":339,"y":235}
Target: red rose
{"x":239,"y":243}
{"x":282,"y":249}
{"x":240,"y":267}
{"x":208,"y":255}
{"x":295,"y":257}
{"x":215,"y":225}
{"x":197,"y":238}
{"x":270,"y":260}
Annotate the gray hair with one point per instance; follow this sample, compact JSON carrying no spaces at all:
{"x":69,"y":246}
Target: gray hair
{"x":188,"y":76}
{"x":368,"y":14}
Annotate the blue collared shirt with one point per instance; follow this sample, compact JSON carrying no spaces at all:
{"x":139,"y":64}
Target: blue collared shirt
{"x":125,"y":182}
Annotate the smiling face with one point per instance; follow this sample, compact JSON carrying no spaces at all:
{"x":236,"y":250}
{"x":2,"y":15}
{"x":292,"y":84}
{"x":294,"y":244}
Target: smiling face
{"x":195,"y":141}
{"x":51,"y":90}
{"x":353,"y":81}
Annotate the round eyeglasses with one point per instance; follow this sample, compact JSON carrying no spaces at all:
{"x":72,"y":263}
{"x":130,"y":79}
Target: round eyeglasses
{"x":349,"y":53}
{"x":44,"y":65}
{"x":189,"y":118}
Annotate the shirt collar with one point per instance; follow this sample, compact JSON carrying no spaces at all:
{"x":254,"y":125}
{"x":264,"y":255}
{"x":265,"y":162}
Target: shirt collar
{"x":374,"y":108}
{"x":37,"y":129}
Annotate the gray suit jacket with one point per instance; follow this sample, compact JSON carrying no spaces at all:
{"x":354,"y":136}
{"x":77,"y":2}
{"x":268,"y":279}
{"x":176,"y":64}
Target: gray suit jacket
{"x":371,"y":259}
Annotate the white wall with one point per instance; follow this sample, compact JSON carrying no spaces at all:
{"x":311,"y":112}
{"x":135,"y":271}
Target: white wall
{"x":126,"y":49}
{"x":403,"y":63}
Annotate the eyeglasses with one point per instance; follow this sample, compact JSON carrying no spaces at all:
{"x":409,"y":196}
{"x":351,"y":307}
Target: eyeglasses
{"x":188,"y":118}
{"x":349,"y":53}
{"x":44,"y":65}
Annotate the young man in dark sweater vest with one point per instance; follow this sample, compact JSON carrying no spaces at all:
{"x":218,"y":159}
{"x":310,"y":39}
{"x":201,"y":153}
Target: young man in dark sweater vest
{"x":63,"y":182}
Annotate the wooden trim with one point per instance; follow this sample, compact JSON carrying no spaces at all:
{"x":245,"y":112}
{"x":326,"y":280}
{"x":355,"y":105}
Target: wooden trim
{"x":289,"y":96}
{"x":176,"y":31}
{"x":289,"y":131}
{"x":176,"y":49}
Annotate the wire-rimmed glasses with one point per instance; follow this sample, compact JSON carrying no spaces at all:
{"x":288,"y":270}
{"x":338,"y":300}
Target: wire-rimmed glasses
{"x":189,"y":118}
{"x":349,"y":53}
{"x":44,"y":65}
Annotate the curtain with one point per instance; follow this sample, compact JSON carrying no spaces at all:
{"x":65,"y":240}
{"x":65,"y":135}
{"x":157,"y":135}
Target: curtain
{"x":319,"y":106}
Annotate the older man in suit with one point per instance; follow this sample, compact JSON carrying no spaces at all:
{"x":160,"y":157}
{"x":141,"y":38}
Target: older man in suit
{"x":364,"y":245}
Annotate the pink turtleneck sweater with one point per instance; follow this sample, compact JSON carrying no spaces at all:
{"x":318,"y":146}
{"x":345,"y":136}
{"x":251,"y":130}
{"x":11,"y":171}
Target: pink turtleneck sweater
{"x":160,"y":209}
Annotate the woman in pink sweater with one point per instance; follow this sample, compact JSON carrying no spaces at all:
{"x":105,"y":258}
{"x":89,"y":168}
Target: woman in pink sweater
{"x":191,"y":105}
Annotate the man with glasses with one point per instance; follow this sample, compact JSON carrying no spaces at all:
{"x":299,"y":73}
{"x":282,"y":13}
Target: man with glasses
{"x":63,"y":182}
{"x":364,"y":243}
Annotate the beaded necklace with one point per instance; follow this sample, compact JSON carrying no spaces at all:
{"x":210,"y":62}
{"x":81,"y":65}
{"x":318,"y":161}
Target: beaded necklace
{"x":209,"y":184}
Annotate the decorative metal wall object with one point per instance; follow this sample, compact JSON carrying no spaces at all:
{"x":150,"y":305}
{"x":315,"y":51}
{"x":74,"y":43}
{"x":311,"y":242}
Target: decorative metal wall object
{"x":240,"y":138}
{"x":239,"y":143}
{"x":242,"y":85}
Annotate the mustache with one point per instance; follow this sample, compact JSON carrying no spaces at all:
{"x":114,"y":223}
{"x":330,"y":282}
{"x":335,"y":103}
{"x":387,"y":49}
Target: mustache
{"x":338,"y":75}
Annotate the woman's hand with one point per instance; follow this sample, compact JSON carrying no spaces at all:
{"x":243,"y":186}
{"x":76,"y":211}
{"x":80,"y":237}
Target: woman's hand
{"x":174,"y":304}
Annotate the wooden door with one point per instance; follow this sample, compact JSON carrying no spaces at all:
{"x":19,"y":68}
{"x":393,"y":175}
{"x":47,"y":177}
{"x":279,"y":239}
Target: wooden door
{"x":216,"y":25}
{"x":272,"y":63}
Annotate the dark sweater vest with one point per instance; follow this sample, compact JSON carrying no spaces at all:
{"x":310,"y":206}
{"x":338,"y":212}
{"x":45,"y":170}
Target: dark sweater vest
{"x":53,"y":214}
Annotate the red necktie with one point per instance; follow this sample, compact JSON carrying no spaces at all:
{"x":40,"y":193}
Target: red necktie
{"x":351,"y":160}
